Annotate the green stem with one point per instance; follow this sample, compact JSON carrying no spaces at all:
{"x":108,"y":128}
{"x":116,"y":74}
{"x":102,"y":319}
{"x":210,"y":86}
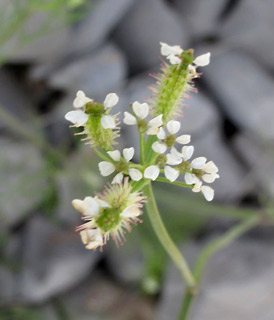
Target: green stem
{"x":142,"y":148}
{"x":176,"y":183}
{"x":101,"y":155}
{"x":223,"y":241}
{"x":165,"y":239}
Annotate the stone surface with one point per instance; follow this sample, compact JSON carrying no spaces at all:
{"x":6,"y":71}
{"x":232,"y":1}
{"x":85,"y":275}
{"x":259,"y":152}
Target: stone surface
{"x":259,"y":159}
{"x":96,"y":74}
{"x":24,"y":181}
{"x":54,"y":260}
{"x":145,"y":25}
{"x":244,"y":90}
{"x":237,"y":284}
{"x":98,"y":23}
{"x":202,"y":18}
{"x":250,"y":28}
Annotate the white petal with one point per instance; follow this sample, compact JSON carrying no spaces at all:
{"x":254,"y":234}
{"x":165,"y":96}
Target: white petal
{"x":190,"y":178}
{"x":152,"y":131}
{"x":210,"y":177}
{"x":173,"y":126}
{"x":202,"y":60}
{"x":131,"y":212}
{"x":183,"y":139}
{"x":167,"y":50}
{"x":108,"y":122}
{"x":106,"y":168}
{"x":161,"y":134}
{"x":81,"y":99}
{"x":159,"y":147}
{"x":197,"y":186}
{"x":128,"y":153}
{"x":129,"y":119}
{"x":208,"y":193}
{"x":111,"y":100}
{"x":156,"y":122}
{"x":210,"y":167}
{"x":152,"y":172}
{"x":77,"y":117}
{"x":198,"y":163}
{"x":171,"y":174}
{"x":115,"y":155}
{"x":174,"y":59}
{"x":135,"y":174}
{"x":102,"y":203}
{"x":173,"y":161}
{"x":88,"y":206}
{"x":140,"y":109}
{"x":187,"y":152}
{"x":118,"y":178}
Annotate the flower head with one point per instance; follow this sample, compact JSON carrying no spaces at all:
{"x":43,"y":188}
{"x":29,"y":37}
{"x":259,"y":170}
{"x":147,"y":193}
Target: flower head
{"x":110,"y":215}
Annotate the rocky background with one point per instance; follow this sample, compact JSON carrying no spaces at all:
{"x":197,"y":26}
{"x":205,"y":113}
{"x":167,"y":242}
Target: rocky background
{"x":112,"y":46}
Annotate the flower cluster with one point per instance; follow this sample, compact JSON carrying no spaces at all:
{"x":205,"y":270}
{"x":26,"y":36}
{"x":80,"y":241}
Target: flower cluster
{"x":162,"y":150}
{"x":111,"y":214}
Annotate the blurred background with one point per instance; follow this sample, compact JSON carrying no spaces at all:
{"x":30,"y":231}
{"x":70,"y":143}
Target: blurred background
{"x":51,"y":49}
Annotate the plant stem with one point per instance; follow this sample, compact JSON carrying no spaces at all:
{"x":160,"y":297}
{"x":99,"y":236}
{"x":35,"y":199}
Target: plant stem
{"x":142,"y":148}
{"x":165,"y":239}
{"x":176,"y":183}
{"x":207,"y":253}
{"x":101,"y":155}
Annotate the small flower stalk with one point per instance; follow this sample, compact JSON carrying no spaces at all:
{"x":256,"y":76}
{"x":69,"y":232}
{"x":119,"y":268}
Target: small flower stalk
{"x":165,"y":151}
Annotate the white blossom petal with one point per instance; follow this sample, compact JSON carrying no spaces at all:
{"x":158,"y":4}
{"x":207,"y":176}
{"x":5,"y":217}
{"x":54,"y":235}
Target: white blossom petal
{"x":161,"y":134}
{"x":210,"y":167}
{"x":159,"y":147}
{"x":131,"y":211}
{"x":187,"y":152}
{"x":152,"y":172}
{"x":202,"y":60}
{"x":115,"y":155}
{"x":77,"y":117}
{"x":156,"y":122}
{"x":128,"y":153}
{"x":135,"y":174}
{"x":167,"y":50}
{"x":210,"y":177}
{"x":106,"y":168}
{"x":102,"y":203}
{"x":81,"y":100}
{"x":190,"y":178}
{"x":92,"y":238}
{"x":208,"y":193}
{"x":129,"y":119}
{"x":118,"y":178}
{"x":140,"y":109}
{"x":174,"y":59}
{"x":171,"y":174}
{"x":111,"y":100}
{"x":198,"y":163}
{"x":183,"y":139}
{"x":88,"y":206}
{"x":197,"y":186}
{"x":172,"y":160}
{"x":108,"y":122}
{"x":173,"y":126}
{"x":152,"y":131}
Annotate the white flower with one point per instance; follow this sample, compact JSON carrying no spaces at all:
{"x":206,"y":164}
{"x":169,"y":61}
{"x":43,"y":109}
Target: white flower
{"x":152,"y":172}
{"x":203,"y":60}
{"x":81,"y":99}
{"x":92,"y":238}
{"x":173,"y":127}
{"x":167,"y":50}
{"x":106,"y":168}
{"x":174,"y":157}
{"x":174,"y":59}
{"x":171,"y":174}
{"x":89,"y":206}
{"x":154,"y":125}
{"x":79,"y":117}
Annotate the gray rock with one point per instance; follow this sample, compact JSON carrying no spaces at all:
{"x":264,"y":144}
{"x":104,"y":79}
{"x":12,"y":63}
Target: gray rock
{"x":97,"y":74}
{"x":259,"y":159}
{"x":201,"y":17}
{"x":98,"y":23}
{"x":244,"y":90}
{"x":146,"y":24}
{"x":28,"y":44}
{"x":237,"y":284}
{"x":54,"y":260}
{"x":24,"y":172}
{"x":250,"y":28}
